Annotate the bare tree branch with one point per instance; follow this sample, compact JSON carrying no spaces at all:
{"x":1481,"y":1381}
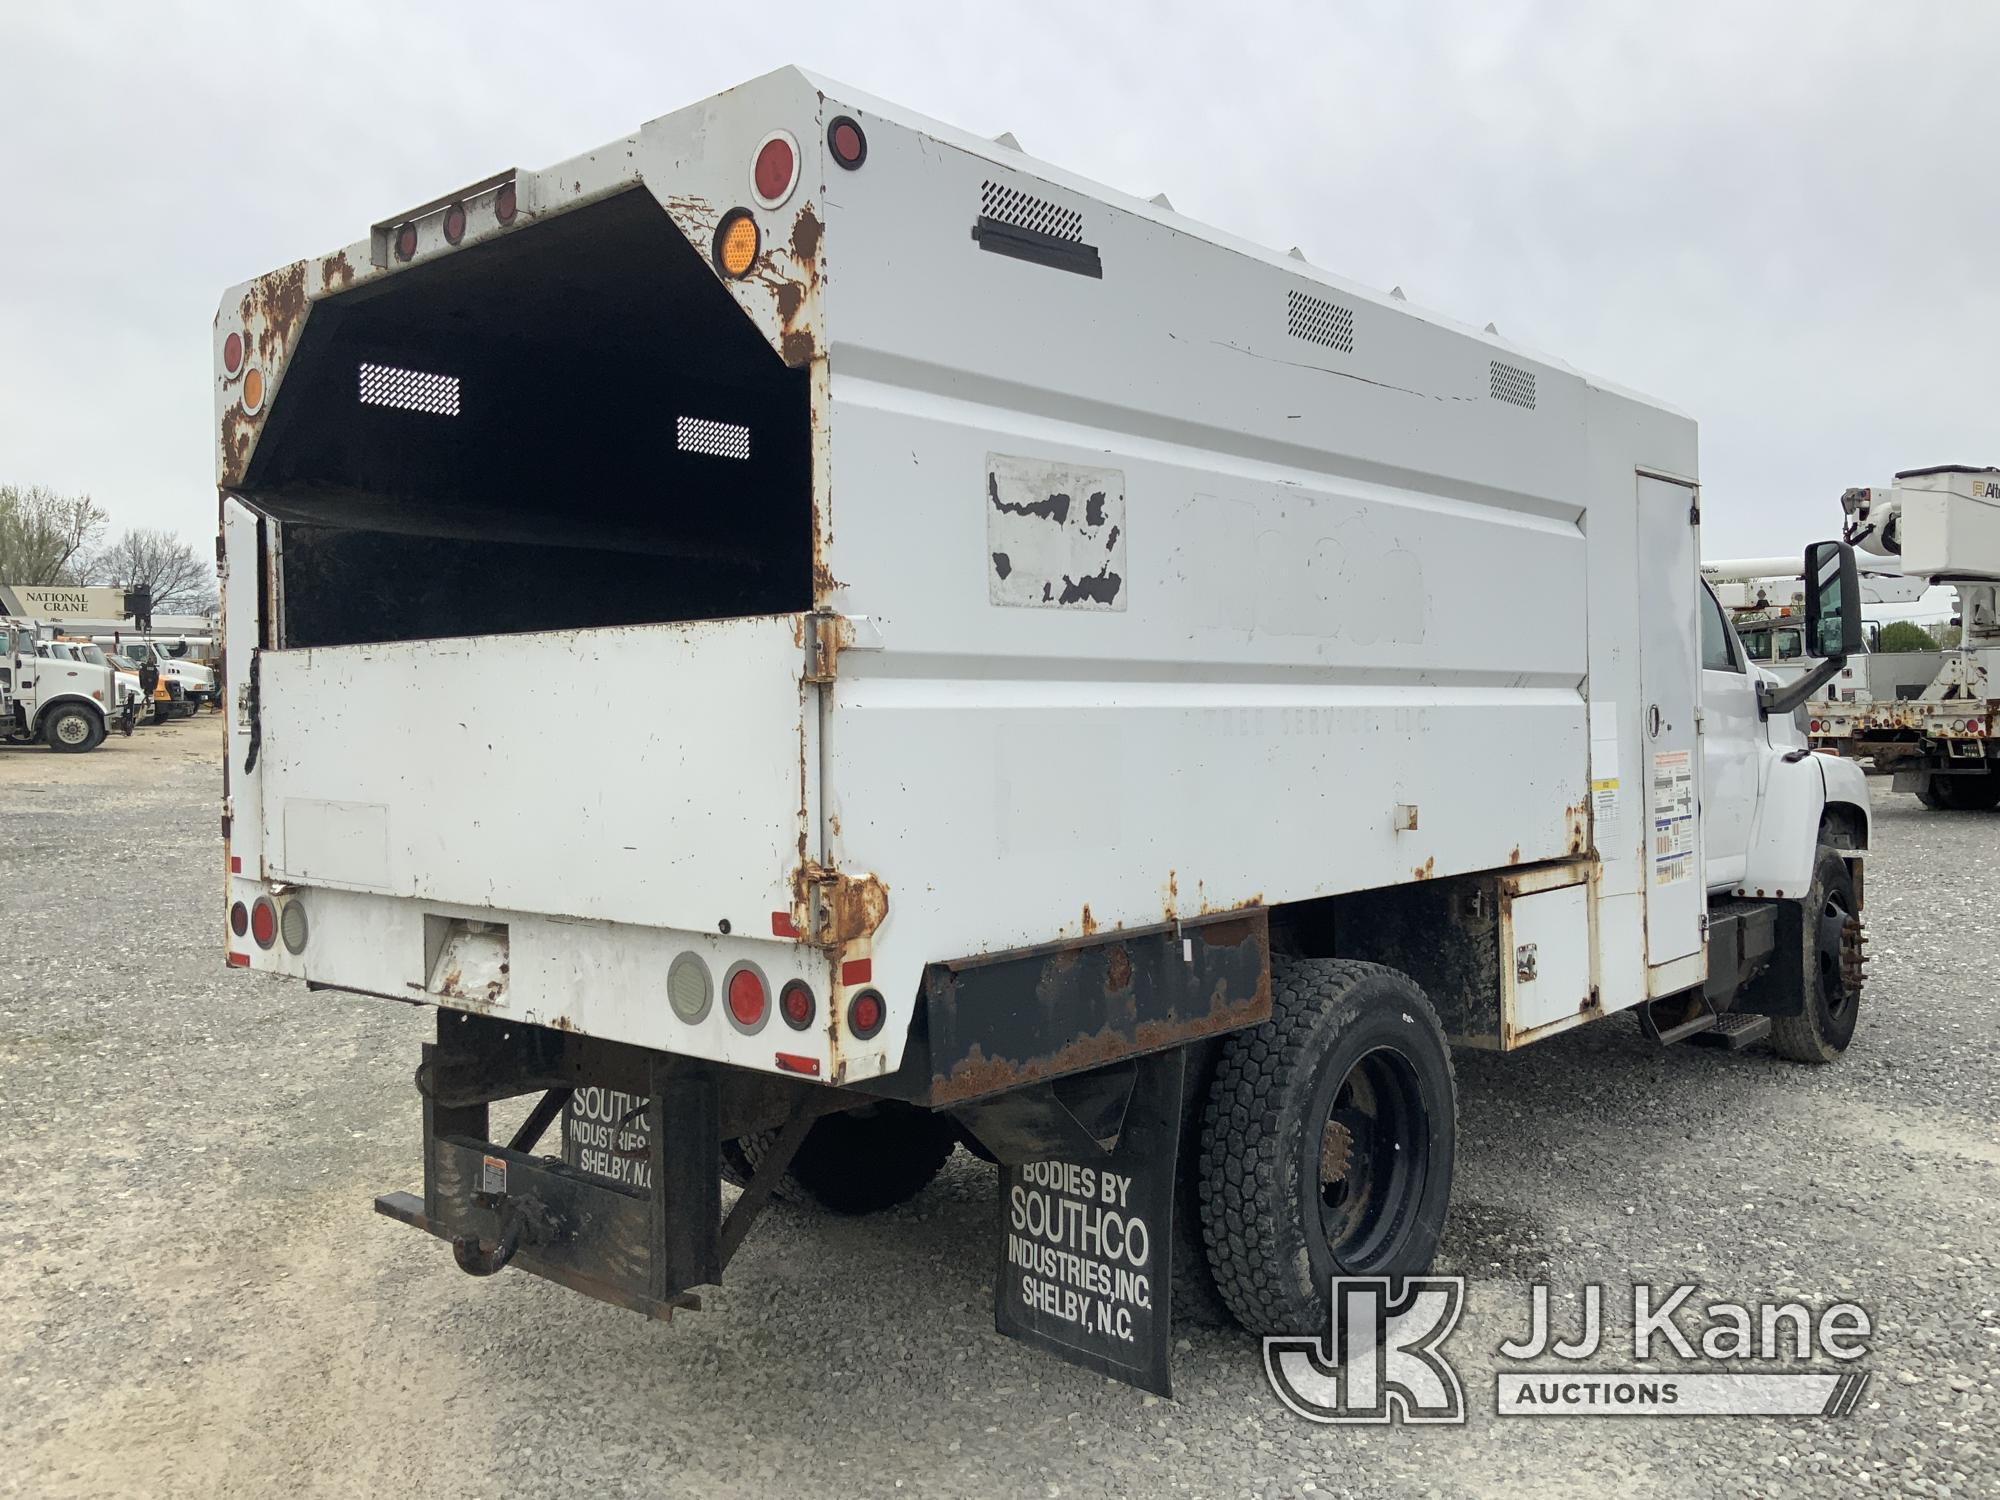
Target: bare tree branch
{"x":46,"y":537}
{"x":181,"y":582}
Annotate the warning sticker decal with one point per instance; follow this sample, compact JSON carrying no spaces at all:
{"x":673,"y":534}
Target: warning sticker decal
{"x":1673,"y":816}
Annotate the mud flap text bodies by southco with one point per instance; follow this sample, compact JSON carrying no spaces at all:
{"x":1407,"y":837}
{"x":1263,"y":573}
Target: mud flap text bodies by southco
{"x":1086,"y":1245}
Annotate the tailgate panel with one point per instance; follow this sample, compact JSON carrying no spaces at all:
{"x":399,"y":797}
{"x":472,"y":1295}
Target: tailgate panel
{"x":651,"y":774}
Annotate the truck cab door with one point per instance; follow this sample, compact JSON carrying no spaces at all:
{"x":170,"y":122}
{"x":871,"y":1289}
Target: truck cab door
{"x":1731,"y":739}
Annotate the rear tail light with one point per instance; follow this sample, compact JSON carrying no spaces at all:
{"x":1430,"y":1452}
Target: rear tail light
{"x":293,"y":928}
{"x":865,"y":1014}
{"x":1815,"y":726}
{"x":748,"y":999}
{"x":845,"y":140}
{"x":239,"y":919}
{"x":796,"y":1005}
{"x":264,"y":922}
{"x":774,"y":170}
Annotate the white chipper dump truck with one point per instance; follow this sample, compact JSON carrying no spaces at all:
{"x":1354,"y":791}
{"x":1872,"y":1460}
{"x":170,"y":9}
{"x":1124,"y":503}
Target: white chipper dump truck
{"x":1010,"y":665}
{"x":1940,"y":737}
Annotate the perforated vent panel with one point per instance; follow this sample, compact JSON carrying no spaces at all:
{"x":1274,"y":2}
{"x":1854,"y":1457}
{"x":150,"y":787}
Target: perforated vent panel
{"x":408,"y":390}
{"x":1318,"y":321}
{"x":717,"y":439}
{"x":1025,"y":211}
{"x":1513,"y":384}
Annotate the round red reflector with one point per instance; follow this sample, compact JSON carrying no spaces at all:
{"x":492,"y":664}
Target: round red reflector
{"x":239,"y":919}
{"x":848,"y":144}
{"x":777,"y":167}
{"x":454,"y":223}
{"x":746,"y":997}
{"x":795,"y":1004}
{"x":865,"y":1014}
{"x":504,"y":204}
{"x":264,"y":922}
{"x":1814,"y":726}
{"x":406,"y":242}
{"x":232,"y":353}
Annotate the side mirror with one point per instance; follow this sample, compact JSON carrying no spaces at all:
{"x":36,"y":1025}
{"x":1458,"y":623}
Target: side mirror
{"x":1833,"y":600}
{"x":1833,"y":624}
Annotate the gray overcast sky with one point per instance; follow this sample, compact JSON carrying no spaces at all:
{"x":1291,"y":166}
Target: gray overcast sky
{"x":1779,"y":217}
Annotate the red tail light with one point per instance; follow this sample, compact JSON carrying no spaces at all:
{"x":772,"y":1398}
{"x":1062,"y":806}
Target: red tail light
{"x":747,"y":997}
{"x":239,"y":919}
{"x":845,"y":140}
{"x":795,"y":1004}
{"x":264,"y":922}
{"x":865,"y":1014}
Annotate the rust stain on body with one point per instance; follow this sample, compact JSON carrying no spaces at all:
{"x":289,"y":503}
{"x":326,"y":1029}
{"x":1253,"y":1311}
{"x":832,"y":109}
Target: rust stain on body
{"x":335,"y":274}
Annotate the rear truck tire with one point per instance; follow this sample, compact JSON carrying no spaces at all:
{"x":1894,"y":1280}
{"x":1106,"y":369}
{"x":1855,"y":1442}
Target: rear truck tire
{"x":1327,"y":1143}
{"x":1821,"y":1032}
{"x":1960,"y":793}
{"x":72,"y":728}
{"x":861,"y":1161}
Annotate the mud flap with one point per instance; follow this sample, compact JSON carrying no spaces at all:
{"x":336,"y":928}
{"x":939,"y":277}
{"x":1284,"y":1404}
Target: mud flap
{"x":1086,"y":1245}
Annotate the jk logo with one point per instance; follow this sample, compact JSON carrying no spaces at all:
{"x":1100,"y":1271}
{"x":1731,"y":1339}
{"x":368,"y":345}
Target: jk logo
{"x":1379,"y":1362}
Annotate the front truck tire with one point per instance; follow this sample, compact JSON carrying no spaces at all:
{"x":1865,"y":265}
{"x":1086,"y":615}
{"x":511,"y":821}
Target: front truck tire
{"x":858,"y":1162}
{"x":1822,"y":1030}
{"x":1327,"y":1144}
{"x":72,"y":729}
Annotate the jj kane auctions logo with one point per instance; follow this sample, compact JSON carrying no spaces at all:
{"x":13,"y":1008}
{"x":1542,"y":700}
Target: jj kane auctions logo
{"x":1382,"y":1358}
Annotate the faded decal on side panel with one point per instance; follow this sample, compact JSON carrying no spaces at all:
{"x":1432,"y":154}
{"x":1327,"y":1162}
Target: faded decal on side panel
{"x":1055,"y":534}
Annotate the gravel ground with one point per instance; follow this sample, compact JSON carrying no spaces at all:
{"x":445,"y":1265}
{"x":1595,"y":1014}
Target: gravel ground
{"x":196,"y":1298}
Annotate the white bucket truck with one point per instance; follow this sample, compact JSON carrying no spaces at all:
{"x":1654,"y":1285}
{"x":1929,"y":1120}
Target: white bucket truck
{"x":1113,"y":694}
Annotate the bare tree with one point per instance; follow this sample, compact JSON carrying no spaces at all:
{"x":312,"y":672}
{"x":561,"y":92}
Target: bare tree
{"x":46,"y":537}
{"x":181,"y":582}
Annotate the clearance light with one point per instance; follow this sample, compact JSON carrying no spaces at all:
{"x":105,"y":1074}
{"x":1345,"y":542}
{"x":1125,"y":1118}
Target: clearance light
{"x":774,"y":170}
{"x":232,"y":353}
{"x":845,"y":140}
{"x":264,"y":922}
{"x":736,"y":242}
{"x":865,"y":1014}
{"x":505,"y":204}
{"x":253,"y":392}
{"x":795,"y":1004}
{"x":406,"y":242}
{"x":454,"y":223}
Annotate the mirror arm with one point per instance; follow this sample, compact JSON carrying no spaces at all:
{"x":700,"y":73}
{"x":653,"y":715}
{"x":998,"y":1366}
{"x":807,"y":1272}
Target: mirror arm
{"x":1774,"y":701}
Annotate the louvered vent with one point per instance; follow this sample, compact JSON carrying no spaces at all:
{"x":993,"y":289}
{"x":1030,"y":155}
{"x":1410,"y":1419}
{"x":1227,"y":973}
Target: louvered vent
{"x":408,"y":390}
{"x":1318,"y":321}
{"x":1007,"y":205}
{"x":1512,"y":384}
{"x":716,"y":439}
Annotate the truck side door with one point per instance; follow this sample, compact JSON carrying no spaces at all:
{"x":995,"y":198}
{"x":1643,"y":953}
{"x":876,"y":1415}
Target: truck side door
{"x":1730,"y":738}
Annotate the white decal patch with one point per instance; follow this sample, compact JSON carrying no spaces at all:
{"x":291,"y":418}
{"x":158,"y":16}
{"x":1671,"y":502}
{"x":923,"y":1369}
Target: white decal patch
{"x":1673,"y":816}
{"x":1055,"y":534}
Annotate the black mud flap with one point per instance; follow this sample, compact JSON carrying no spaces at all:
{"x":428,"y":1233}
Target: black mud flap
{"x":1086,"y":1245}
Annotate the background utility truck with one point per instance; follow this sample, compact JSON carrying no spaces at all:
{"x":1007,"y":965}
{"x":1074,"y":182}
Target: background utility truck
{"x":49,"y":693}
{"x":1116,"y":694}
{"x":1938,"y":525}
{"x":1765,"y":600}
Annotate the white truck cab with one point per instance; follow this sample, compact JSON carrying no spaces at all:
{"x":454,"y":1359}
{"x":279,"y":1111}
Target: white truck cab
{"x":190,"y":684}
{"x":48,"y":693}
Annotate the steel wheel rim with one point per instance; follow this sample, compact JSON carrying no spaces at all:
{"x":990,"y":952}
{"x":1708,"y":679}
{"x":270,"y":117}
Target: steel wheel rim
{"x":72,"y":730}
{"x":1372,"y":1153}
{"x":1830,"y":951}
